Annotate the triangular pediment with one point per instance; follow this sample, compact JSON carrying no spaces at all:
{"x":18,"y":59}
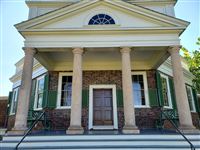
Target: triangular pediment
{"x":78,"y":15}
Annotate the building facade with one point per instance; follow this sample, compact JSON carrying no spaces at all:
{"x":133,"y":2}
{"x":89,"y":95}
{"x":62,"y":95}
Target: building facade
{"x":102,"y":65}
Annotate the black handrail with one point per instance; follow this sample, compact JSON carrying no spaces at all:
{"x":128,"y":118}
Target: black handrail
{"x":174,"y":125}
{"x":30,"y":129}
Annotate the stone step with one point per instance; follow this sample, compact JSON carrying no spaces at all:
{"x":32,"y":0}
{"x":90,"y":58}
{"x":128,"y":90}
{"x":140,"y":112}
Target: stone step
{"x":101,"y":137}
{"x":106,"y":142}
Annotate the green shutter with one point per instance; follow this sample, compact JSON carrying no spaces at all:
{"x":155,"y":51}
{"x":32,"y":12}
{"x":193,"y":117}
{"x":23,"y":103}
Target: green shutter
{"x":196,"y":102}
{"x":85,"y":98}
{"x":32,"y":98}
{"x":153,"y":97}
{"x":9,"y":102}
{"x":172,"y":91}
{"x":45,"y":93}
{"x":52,"y":99}
{"x":159,"y":88}
{"x":119,"y":98}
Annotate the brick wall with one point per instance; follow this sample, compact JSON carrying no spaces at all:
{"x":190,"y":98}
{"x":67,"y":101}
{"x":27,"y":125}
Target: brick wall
{"x":145,"y":117}
{"x":3,"y":111}
{"x":102,"y":77}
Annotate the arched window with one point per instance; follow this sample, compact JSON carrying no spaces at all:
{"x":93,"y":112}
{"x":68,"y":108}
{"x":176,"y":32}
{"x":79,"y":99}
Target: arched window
{"x":101,"y":19}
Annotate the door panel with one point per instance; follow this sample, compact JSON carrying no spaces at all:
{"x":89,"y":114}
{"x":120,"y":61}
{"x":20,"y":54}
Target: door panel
{"x":103,"y":107}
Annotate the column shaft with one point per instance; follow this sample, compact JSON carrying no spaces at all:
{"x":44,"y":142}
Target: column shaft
{"x":76,"y":108}
{"x":185,"y":118}
{"x":129,"y":111}
{"x":24,"y":93}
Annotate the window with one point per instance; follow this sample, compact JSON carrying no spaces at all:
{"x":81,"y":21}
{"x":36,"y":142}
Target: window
{"x":14,"y":101}
{"x":140,"y":90}
{"x":64,"y":90}
{"x":166,"y":91}
{"x":190,"y":98}
{"x":39,"y":93}
{"x":101,"y":19}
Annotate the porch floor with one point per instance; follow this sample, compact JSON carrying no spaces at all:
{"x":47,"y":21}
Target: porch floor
{"x":102,"y":132}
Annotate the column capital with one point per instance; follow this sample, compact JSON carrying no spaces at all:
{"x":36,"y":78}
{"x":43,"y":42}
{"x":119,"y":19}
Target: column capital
{"x":174,"y":49}
{"x":29,"y":50}
{"x":125,"y":49}
{"x":78,"y":50}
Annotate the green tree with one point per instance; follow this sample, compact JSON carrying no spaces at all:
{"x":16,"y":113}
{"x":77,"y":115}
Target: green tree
{"x":193,"y":60}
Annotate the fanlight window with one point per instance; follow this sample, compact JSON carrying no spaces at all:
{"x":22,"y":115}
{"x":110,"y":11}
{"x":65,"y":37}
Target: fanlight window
{"x":101,"y":19}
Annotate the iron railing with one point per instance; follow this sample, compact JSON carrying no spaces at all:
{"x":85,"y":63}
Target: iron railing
{"x":30,"y":129}
{"x":177,"y":129}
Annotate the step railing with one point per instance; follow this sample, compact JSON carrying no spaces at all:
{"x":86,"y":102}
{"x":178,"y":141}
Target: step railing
{"x":177,"y":129}
{"x":30,"y":129}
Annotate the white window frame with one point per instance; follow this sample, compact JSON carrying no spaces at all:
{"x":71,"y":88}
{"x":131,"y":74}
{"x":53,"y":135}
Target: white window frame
{"x":146,"y":92}
{"x":14,"y":99}
{"x":36,"y":93}
{"x":61,"y":74}
{"x":193,"y":105}
{"x":114,"y":100}
{"x":168,"y":91}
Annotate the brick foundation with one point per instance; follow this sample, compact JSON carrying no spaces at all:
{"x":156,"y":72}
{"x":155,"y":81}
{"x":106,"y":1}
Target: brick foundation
{"x":3,"y":112}
{"x":196,"y":120}
{"x":11,"y":122}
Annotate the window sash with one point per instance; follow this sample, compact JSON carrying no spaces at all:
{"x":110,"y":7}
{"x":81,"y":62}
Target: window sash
{"x":14,"y":101}
{"x":140,"y":89}
{"x":166,"y":91}
{"x":39,"y":93}
{"x":190,"y":98}
{"x":64,"y":91}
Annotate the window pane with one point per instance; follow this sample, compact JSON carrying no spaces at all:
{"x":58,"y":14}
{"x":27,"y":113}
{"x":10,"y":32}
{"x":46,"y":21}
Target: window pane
{"x":41,"y":84}
{"x":39,"y":101}
{"x":101,"y":19}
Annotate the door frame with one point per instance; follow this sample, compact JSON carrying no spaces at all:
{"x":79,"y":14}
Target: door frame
{"x":114,"y":100}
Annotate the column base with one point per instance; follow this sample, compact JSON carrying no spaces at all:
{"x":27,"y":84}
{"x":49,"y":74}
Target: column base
{"x":17,"y":131}
{"x":130,"y":130}
{"x":75,"y":130}
{"x":3,"y":131}
{"x":189,"y":130}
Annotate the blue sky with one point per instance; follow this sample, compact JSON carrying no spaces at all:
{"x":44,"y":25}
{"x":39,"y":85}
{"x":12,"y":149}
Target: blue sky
{"x":11,"y":42}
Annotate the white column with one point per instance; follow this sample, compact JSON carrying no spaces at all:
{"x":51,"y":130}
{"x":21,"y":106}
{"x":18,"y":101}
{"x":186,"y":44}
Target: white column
{"x":185,"y":118}
{"x":129,"y":111}
{"x":76,"y":108}
{"x":24,"y":93}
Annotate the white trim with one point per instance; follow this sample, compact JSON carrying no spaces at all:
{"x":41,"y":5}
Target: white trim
{"x":168,"y":91}
{"x":114,"y":98}
{"x":36,"y":93}
{"x":193,"y":105}
{"x":61,"y":74}
{"x":102,"y":127}
{"x":146,"y":92}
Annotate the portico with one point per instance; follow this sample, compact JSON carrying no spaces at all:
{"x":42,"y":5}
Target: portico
{"x":143,"y":44}
{"x":129,"y":115}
